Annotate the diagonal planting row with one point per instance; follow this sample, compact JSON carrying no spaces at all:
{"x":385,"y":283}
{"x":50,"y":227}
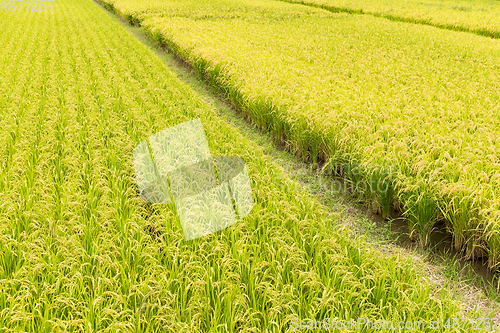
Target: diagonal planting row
{"x":481,"y":17}
{"x":412,"y":110}
{"x":81,"y":252}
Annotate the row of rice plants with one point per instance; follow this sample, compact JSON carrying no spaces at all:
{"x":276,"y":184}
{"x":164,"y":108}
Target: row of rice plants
{"x":359,"y":90}
{"x":81,"y":252}
{"x":480,"y":17}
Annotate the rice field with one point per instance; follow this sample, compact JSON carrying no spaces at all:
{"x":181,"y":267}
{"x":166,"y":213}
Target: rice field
{"x":478,"y":16}
{"x":359,"y":91}
{"x":80,"y":251}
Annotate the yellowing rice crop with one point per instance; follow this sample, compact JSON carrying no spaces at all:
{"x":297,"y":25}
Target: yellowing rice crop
{"x":477,"y":16}
{"x":81,"y":252}
{"x":362,"y":90}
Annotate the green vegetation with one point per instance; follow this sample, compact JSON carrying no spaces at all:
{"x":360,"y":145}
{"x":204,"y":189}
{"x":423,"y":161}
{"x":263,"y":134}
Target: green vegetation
{"x":362,"y":92}
{"x":81,"y":252}
{"x":477,"y":16}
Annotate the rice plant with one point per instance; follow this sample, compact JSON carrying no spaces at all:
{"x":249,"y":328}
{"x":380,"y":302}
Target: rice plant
{"x":356,"y":88}
{"x":80,"y":251}
{"x":479,"y":17}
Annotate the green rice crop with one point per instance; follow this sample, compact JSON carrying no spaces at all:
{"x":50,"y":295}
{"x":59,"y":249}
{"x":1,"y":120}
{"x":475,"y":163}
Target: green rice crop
{"x":359,"y":90}
{"x":81,"y":252}
{"x":478,"y":16}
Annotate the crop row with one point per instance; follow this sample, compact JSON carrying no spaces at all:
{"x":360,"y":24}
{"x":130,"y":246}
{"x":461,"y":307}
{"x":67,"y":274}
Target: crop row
{"x":480,"y":17}
{"x":359,"y":90}
{"x":81,"y":252}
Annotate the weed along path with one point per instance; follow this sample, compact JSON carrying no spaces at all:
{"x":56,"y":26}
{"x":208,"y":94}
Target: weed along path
{"x":80,"y":251}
